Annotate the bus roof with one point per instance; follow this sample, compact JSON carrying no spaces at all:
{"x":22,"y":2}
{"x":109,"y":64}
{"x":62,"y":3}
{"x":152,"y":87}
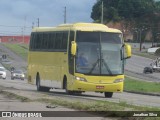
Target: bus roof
{"x":78,"y":27}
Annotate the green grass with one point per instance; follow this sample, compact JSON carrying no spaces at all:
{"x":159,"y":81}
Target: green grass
{"x":12,"y":95}
{"x":134,"y":85}
{"x":19,"y":49}
{"x":87,"y":105}
{"x":7,"y":66}
{"x":96,"y":105}
{"x":100,"y":107}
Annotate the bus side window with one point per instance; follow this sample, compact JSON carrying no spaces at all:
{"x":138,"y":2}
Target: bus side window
{"x":56,"y":41}
{"x":50,"y":41}
{"x":40,"y":44}
{"x":53,"y":39}
{"x":46,"y":40}
{"x":37,"y":42}
{"x":31,"y":41}
{"x":64,"y":41}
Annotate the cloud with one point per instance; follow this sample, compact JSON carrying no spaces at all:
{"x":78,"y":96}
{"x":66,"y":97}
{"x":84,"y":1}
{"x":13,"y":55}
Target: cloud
{"x":50,"y":12}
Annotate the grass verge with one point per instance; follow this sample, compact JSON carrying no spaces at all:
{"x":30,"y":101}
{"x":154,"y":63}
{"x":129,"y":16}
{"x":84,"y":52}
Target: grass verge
{"x":12,"y":95}
{"x":96,"y":107}
{"x":134,"y":85}
{"x":143,"y":53}
{"x":19,"y":49}
{"x":103,"y":108}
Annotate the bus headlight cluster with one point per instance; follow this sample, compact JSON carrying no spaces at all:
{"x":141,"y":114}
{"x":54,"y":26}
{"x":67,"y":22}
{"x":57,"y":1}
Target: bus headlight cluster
{"x":118,"y":80}
{"x":80,"y":79}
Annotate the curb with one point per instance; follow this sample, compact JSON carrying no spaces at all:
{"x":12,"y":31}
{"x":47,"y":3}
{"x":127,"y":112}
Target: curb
{"x":142,"y":93}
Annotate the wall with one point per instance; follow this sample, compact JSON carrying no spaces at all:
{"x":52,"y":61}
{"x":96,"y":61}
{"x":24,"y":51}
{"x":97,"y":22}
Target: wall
{"x":15,"y":39}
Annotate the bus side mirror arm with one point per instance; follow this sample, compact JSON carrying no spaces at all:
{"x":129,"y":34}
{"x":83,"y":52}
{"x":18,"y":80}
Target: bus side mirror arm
{"x":73,"y":48}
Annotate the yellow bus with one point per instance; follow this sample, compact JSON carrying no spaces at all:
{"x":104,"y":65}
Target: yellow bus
{"x":78,"y":57}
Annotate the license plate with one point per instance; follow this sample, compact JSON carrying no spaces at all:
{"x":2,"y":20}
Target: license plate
{"x":99,"y":87}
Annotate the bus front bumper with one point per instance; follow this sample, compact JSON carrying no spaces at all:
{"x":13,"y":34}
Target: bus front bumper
{"x":96,"y":87}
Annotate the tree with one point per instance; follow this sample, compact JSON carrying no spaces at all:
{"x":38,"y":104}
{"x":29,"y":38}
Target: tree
{"x":110,"y":11}
{"x":96,"y":8}
{"x":134,"y":13}
{"x":124,"y":9}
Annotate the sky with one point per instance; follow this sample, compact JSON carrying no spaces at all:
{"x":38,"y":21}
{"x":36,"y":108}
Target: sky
{"x":15,"y":14}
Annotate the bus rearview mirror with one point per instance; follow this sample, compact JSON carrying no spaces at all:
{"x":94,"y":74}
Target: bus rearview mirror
{"x":127,"y":51}
{"x":73,"y":48}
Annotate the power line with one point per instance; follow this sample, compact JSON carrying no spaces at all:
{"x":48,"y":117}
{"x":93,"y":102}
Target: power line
{"x":14,"y":26}
{"x":13,"y":33}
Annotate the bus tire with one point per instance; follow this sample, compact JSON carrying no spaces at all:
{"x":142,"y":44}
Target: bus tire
{"x":39,"y":87}
{"x":78,"y":92}
{"x":68,"y":91}
{"x":108,"y":94}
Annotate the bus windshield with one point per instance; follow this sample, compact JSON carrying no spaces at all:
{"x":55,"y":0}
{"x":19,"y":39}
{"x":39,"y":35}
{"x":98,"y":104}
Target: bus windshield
{"x":99,"y":53}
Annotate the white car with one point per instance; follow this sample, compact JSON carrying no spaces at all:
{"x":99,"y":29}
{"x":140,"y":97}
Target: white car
{"x":3,"y":72}
{"x":17,"y":74}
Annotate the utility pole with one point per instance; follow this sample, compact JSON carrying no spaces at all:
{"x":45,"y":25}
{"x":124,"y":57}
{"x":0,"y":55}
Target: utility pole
{"x":102,"y":13}
{"x":140,"y":37}
{"x":22,"y":34}
{"x":25,"y":19}
{"x":65,"y":15}
{"x":32,"y":25}
{"x":38,"y":22}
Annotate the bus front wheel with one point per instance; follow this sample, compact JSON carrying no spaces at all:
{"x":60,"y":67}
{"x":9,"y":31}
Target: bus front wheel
{"x":108,"y":94}
{"x":39,"y":87}
{"x":68,"y":91}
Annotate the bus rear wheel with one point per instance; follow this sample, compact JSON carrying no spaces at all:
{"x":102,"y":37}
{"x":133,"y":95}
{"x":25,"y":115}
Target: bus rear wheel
{"x":108,"y":94}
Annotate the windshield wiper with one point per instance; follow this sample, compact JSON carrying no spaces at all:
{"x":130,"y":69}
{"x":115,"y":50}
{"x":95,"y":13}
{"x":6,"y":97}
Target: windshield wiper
{"x":106,"y":65}
{"x":103,"y":62}
{"x":95,"y":64}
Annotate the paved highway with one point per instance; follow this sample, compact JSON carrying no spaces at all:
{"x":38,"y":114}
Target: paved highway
{"x":22,"y":88}
{"x":15,"y":60}
{"x":135,"y":65}
{"x":26,"y":89}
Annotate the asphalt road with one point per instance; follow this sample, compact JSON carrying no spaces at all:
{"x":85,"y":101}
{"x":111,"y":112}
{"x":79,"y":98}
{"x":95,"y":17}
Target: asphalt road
{"x":15,"y":60}
{"x":22,"y":88}
{"x":130,"y":98}
{"x":135,"y":65}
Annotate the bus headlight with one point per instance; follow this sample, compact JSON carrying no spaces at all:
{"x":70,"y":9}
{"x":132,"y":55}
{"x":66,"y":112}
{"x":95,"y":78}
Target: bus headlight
{"x":118,"y":80}
{"x":80,"y":79}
